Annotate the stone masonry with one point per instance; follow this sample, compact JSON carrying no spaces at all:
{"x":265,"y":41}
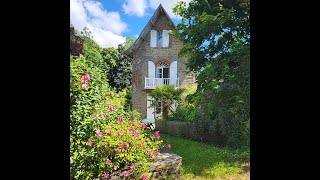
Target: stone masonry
{"x":145,"y":53}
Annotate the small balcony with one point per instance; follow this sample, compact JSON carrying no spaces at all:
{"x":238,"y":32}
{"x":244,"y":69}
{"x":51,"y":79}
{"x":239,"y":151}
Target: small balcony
{"x":151,"y":83}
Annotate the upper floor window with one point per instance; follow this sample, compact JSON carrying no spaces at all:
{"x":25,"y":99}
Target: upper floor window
{"x":162,"y":70}
{"x":159,"y":39}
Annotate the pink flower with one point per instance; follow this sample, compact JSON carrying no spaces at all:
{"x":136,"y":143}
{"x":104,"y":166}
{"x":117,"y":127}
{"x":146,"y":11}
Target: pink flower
{"x":84,"y":85}
{"x":136,"y":132}
{"x":131,"y":138}
{"x":100,"y":134}
{"x":106,"y":176}
{"x":120,"y":120}
{"x":144,"y":177}
{"x":132,"y":166}
{"x":115,"y":168}
{"x":157,"y":134}
{"x":137,"y":147}
{"x":109,"y":131}
{"x":90,"y":143}
{"x":107,"y":148}
{"x":154,"y":154}
{"x":121,"y":145}
{"x":81,"y":76}
{"x":127,"y":146}
{"x":132,"y":124}
{"x":127,"y":173}
{"x":94,"y":116}
{"x":169,"y":146}
{"x":110,"y":109}
{"x":117,"y":151}
{"x":148,"y":139}
{"x":98,"y":130}
{"x":86,"y":77}
{"x":129,"y":131}
{"x":102,"y":114}
{"x":143,"y":125}
{"x":142,"y":146}
{"x":147,"y":151}
{"x":119,"y":134}
{"x":108,"y":161}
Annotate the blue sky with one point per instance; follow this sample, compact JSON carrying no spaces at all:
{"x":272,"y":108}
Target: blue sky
{"x":110,"y":21}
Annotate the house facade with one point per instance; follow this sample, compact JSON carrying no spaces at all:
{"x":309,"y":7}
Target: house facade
{"x":156,"y":62}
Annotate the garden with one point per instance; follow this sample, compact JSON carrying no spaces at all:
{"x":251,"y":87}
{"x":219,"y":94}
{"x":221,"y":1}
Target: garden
{"x":107,"y":137}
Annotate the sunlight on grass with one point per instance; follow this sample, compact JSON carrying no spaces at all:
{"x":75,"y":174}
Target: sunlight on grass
{"x":204,"y":161}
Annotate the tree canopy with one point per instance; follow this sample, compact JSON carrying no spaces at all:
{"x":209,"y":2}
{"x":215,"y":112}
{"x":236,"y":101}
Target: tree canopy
{"x":216,"y":36}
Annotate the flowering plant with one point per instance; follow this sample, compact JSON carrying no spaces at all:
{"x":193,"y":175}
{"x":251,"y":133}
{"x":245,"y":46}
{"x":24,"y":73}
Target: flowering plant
{"x":103,"y":136}
{"x":123,"y":142}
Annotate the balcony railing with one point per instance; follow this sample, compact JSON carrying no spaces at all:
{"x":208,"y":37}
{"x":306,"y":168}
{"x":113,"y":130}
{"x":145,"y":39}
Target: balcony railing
{"x":151,"y":83}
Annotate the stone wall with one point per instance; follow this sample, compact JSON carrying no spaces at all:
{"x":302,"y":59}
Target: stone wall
{"x":166,"y":165}
{"x":144,"y":54}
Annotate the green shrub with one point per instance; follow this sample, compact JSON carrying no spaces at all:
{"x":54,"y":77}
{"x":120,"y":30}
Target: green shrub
{"x":95,"y":108}
{"x":112,"y":146}
{"x":187,"y":114}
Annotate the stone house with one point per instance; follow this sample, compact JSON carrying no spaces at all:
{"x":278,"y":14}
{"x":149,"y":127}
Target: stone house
{"x":156,"y":62}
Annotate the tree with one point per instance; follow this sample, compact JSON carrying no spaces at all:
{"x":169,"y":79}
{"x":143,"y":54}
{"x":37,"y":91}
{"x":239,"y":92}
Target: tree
{"x":167,"y":94}
{"x":129,"y":42}
{"x":76,"y":42}
{"x":216,"y":36}
{"x":120,"y":66}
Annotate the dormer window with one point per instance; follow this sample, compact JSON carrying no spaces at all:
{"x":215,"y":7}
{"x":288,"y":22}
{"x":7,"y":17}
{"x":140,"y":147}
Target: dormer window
{"x":159,"y":39}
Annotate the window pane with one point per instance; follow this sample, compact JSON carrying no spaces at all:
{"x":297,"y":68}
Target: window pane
{"x":165,"y":72}
{"x":159,"y":41}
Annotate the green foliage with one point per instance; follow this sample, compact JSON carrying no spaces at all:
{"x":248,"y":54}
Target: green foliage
{"x":76,"y":42}
{"x":187,"y":114}
{"x":111,"y":61}
{"x":186,"y":110}
{"x":95,"y":109}
{"x":216,"y":36}
{"x":167,"y":94}
{"x":210,"y":28}
{"x":120,"y":67}
{"x":129,"y":42}
{"x":98,"y":106}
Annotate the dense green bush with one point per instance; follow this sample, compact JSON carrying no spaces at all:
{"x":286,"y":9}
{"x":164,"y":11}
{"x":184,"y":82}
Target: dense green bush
{"x":216,"y":38}
{"x":185,"y":114}
{"x":96,"y":118}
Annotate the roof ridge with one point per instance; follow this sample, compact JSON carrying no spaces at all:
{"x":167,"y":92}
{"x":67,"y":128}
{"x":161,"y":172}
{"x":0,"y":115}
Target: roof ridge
{"x":142,"y":35}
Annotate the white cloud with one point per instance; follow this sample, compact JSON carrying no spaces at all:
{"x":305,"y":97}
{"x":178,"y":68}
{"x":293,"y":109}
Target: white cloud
{"x":167,"y":5}
{"x":106,"y":27}
{"x":135,"y":7}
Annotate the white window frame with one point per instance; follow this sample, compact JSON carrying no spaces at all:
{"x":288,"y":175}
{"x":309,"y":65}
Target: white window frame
{"x":160,"y":66}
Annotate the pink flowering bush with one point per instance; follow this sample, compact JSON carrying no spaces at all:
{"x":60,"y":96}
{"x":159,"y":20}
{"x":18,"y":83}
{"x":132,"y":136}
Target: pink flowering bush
{"x":103,"y":136}
{"x":123,"y":143}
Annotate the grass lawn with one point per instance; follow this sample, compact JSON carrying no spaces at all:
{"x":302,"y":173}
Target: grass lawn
{"x":203,"y":161}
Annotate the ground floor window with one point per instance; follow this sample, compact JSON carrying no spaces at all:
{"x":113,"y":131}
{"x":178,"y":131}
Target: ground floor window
{"x":158,"y":107}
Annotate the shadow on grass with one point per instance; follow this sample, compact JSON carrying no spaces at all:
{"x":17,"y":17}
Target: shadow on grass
{"x":204,"y":160}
